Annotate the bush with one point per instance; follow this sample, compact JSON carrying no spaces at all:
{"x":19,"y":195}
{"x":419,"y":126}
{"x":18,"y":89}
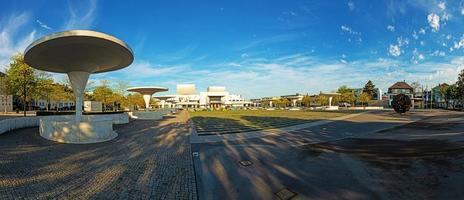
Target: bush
{"x":401,"y":103}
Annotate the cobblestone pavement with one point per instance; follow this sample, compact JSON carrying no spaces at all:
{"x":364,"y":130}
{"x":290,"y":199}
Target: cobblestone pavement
{"x":148,"y":160}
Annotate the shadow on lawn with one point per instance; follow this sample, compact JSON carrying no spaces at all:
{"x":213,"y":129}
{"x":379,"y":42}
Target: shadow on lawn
{"x":217,"y":125}
{"x":274,"y":122}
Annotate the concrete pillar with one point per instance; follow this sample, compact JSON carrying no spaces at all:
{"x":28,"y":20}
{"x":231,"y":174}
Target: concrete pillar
{"x":146,"y":98}
{"x":78,"y":82}
{"x":330,"y":101}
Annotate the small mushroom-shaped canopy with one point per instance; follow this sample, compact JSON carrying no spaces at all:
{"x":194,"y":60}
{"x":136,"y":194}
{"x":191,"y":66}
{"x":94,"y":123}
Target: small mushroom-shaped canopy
{"x":165,"y":97}
{"x":78,"y":50}
{"x":331,"y":94}
{"x":147,"y":90}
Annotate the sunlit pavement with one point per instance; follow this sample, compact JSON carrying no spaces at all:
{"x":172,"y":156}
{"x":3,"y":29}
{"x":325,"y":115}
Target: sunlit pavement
{"x":288,"y":165}
{"x":148,"y":160}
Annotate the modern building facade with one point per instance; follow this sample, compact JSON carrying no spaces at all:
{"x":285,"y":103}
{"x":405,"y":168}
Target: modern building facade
{"x":53,"y":105}
{"x":215,"y":97}
{"x":6,"y":101}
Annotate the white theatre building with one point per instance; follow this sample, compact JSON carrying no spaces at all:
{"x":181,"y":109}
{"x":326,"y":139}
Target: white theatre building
{"x":215,"y":97}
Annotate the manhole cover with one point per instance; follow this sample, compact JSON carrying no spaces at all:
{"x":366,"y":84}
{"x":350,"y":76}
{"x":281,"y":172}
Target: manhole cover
{"x":285,"y":194}
{"x":245,"y":163}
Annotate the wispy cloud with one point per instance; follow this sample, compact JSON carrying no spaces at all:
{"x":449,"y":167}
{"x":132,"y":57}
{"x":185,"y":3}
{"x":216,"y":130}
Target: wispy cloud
{"x":82,"y":16}
{"x":351,"y":5}
{"x":177,"y":55}
{"x":14,"y":39}
{"x":271,"y":40}
{"x":287,"y":74}
{"x":43,"y":25}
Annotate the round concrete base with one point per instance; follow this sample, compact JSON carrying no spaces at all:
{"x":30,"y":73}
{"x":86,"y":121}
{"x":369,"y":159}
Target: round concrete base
{"x":331,"y":108}
{"x":64,"y":129}
{"x":149,"y":115}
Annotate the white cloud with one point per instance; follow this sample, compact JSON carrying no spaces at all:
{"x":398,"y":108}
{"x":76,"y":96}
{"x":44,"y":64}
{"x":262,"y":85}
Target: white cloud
{"x":349,"y":30}
{"x":271,"y":40}
{"x":351,"y":5}
{"x":14,"y":38}
{"x":43,"y":25}
{"x":82,"y":17}
{"x":434,"y":21}
{"x":445,"y":16}
{"x":402,"y":41}
{"x":422,"y":31}
{"x":416,"y":56}
{"x":355,"y":36}
{"x":391,"y":28}
{"x":462,"y":10}
{"x":394,"y":50}
{"x":145,"y":69}
{"x":414,"y":35}
{"x":459,"y":44}
{"x":258,"y":77}
{"x":438,"y":53}
{"x":442,"y":5}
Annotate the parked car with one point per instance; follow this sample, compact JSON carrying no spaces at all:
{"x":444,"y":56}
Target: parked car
{"x":344,"y":104}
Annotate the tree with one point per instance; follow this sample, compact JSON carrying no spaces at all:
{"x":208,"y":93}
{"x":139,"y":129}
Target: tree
{"x":452,"y":93}
{"x":347,"y":94}
{"x":322,"y":99}
{"x":44,"y":90}
{"x":306,"y":101}
{"x":443,"y":88}
{"x":401,"y":103}
{"x":364,"y":98}
{"x":417,"y":87}
{"x":21,"y":79}
{"x":369,"y":88}
{"x":460,"y":86}
{"x":282,"y":102}
{"x":135,"y":100}
{"x":103,"y":93}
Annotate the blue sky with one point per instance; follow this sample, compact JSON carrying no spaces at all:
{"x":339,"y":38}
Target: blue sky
{"x":259,"y":48}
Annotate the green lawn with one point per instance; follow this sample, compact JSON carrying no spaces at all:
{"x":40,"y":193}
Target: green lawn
{"x":224,"y":122}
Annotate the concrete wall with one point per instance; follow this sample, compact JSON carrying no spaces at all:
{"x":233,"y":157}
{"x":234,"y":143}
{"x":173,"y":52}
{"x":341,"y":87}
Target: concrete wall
{"x":92,"y":106}
{"x":17,"y":123}
{"x":25,"y":122}
{"x":63,"y":128}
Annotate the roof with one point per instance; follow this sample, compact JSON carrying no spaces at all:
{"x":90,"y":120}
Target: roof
{"x":400,"y":85}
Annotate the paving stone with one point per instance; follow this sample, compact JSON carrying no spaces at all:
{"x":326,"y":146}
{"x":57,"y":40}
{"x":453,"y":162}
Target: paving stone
{"x":148,"y":160}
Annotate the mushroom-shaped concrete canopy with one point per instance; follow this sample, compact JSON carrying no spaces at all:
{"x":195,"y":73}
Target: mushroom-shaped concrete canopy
{"x":78,"y":50}
{"x":331,"y":95}
{"x":147,"y":92}
{"x":78,"y":53}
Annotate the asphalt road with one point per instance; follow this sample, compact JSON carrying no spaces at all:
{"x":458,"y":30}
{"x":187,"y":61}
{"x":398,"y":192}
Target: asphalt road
{"x":291,"y":165}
